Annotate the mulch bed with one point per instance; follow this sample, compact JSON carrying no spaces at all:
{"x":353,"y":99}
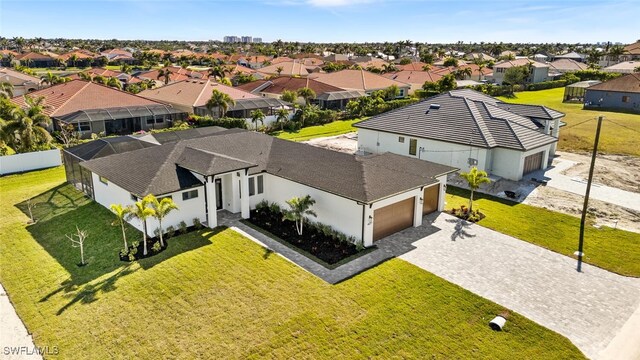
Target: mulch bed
{"x":323,"y":247}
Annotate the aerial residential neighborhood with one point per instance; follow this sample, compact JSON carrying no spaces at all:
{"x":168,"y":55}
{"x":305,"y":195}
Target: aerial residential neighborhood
{"x":343,"y":179}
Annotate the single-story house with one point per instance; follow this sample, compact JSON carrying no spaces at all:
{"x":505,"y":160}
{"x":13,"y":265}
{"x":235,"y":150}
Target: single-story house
{"x":479,"y":56}
{"x":571,"y":56}
{"x":94,"y":108}
{"x":360,"y":80}
{"x":36,"y":60}
{"x":561,"y":66}
{"x":192,"y":96}
{"x":233,"y":170}
{"x":462,"y":129}
{"x":290,"y":68}
{"x":7,"y":56}
{"x":625,"y":67}
{"x":119,"y":55}
{"x":622,"y":93}
{"x":78,"y":58}
{"x":415,"y":79}
{"x":327,"y":96}
{"x":631,"y":52}
{"x":539,"y":72}
{"x":22,"y":83}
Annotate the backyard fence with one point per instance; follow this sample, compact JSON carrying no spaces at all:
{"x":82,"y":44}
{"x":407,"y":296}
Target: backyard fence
{"x":10,"y":164}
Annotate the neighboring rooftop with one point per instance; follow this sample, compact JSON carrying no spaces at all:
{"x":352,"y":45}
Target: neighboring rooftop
{"x":414,"y":77}
{"x":282,"y":83}
{"x":356,"y":80}
{"x":16,"y":78}
{"x":567,"y":65}
{"x":193,"y":92}
{"x":520,"y":62}
{"x":627,"y":83}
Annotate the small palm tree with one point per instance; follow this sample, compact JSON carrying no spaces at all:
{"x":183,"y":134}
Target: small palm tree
{"x":289,"y":96}
{"x":221,"y":101}
{"x":121,"y":212}
{"x":281,"y":116}
{"x":141,"y":211}
{"x":299,"y":207}
{"x":475,"y":178}
{"x":26,"y":131}
{"x":279,"y":70}
{"x":166,"y":74}
{"x":114,"y":83}
{"x":73,"y":58}
{"x":162,"y":208}
{"x":50,"y":78}
{"x":307,"y":94}
{"x":257,"y":115}
{"x":6,"y":90}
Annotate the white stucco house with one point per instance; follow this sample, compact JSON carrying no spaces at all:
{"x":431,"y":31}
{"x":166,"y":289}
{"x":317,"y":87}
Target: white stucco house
{"x":465,"y":128}
{"x":367,"y":197}
{"x":538,"y":72}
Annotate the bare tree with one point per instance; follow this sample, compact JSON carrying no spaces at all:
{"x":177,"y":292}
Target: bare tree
{"x":81,"y":235}
{"x":68,"y":135}
{"x":30,"y":207}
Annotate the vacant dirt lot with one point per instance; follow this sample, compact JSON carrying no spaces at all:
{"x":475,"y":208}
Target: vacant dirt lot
{"x":619,"y":171}
{"x":347,"y":143}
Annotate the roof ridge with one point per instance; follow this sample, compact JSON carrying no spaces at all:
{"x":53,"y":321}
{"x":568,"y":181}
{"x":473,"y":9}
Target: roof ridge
{"x":478,"y":118}
{"x":164,"y":163}
{"x":72,"y":96}
{"x":201,"y":92}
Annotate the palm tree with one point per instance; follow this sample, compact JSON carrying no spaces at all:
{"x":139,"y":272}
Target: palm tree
{"x":218,"y":72}
{"x":257,"y":115}
{"x":426,"y":67}
{"x":162,"y":208}
{"x":141,"y":211}
{"x":279,"y":70}
{"x":6,"y":90}
{"x":125,"y":68}
{"x":50,"y":78}
{"x":166,"y":74}
{"x":121,"y":212}
{"x":307,"y":94}
{"x":220,"y":100}
{"x":281,"y":116}
{"x":85,"y":76}
{"x":289,"y":96}
{"x":299,"y":207}
{"x":26,"y":131}
{"x":615,"y":52}
{"x":475,"y":178}
{"x":114,"y":83}
{"x":73,"y":58}
{"x":481,"y":66}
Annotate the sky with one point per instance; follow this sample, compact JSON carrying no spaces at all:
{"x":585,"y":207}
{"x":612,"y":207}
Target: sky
{"x":430,"y":21}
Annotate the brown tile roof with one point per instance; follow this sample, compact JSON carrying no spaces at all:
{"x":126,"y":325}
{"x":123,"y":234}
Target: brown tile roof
{"x":97,"y":71}
{"x":626,"y":83}
{"x":414,"y":66}
{"x":81,"y":54}
{"x":633,"y":49}
{"x":279,"y":84}
{"x":240,"y":69}
{"x":568,"y":65}
{"x":175,"y":76}
{"x":193,"y":92}
{"x":289,"y":68}
{"x":16,"y":78}
{"x":117,"y":52}
{"x":519,"y":62}
{"x":356,"y":80}
{"x":413,"y":77}
{"x":33,"y":56}
{"x":5,"y":52}
{"x":75,"y":95}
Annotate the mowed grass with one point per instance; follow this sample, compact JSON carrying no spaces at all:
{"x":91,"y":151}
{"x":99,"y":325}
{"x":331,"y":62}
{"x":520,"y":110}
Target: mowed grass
{"x":611,"y":249}
{"x":619,"y":135}
{"x":332,"y":129}
{"x":216,"y":294}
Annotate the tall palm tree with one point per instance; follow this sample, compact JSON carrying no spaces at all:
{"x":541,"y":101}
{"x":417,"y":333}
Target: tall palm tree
{"x":474,"y":178}
{"x":162,"y":208}
{"x":257,"y":115}
{"x":281,"y":116}
{"x":73,"y":58}
{"x":615,"y":52}
{"x":298,"y":209}
{"x":6,"y":90}
{"x":141,"y":211}
{"x":166,"y":74}
{"x":221,"y":101}
{"x":217,"y":71}
{"x":50,"y":78}
{"x":26,"y":131}
{"x":121,"y":212}
{"x":307,"y":94}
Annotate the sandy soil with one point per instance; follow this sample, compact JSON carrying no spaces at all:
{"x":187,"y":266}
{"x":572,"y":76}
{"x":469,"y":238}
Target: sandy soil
{"x":347,"y":143}
{"x":619,"y":171}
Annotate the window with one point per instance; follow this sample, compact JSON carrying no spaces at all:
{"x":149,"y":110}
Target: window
{"x":252,"y":183}
{"x":626,"y":99}
{"x":191,"y":194}
{"x":150,"y":121}
{"x":159,"y":120}
{"x":104,"y":180}
{"x":401,"y":139}
{"x":83,"y":126}
{"x":260,"y":184}
{"x":413,"y":145}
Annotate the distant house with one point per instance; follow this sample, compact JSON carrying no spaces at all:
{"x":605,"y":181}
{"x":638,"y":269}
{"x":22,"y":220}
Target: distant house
{"x":561,"y":66}
{"x":22,"y":83}
{"x":327,"y":96}
{"x":291,"y":68}
{"x":465,"y":128}
{"x":192,"y":96}
{"x":97,"y":71}
{"x":119,"y":56}
{"x":479,"y":56}
{"x":360,"y":80}
{"x":176,"y":74}
{"x":574,"y":93}
{"x":622,"y":93}
{"x":626,"y":67}
{"x":78,"y":58}
{"x":93,"y":108}
{"x":414,"y":78}
{"x":7,"y":57}
{"x":36,"y":60}
{"x":539,"y":72}
{"x":631,"y":52}
{"x":571,"y":56}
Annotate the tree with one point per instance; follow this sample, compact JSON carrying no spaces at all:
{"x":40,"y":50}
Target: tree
{"x":637,"y":69}
{"x":391,"y":92}
{"x":141,"y":211}
{"x":462,"y":73}
{"x":161,"y":209}
{"x":257,"y":115}
{"x":299,"y":207}
{"x":289,"y":96}
{"x":121,"y":212}
{"x":73,"y":58}
{"x":218,"y":72}
{"x":426,"y":67}
{"x":26,"y":131}
{"x":225,"y":81}
{"x":307,"y":94}
{"x":615,"y":52}
{"x":279,"y":70}
{"x":450,"y":61}
{"x":114,"y":83}
{"x":281,"y":117}
{"x":165,"y":74}
{"x":68,"y":134}
{"x":50,"y":78}
{"x":447,"y":83}
{"x":474,"y":178}
{"x":516,"y":75}
{"x":125,"y":68}
{"x":221,"y":101}
{"x":82,"y":236}
{"x":6,"y":90}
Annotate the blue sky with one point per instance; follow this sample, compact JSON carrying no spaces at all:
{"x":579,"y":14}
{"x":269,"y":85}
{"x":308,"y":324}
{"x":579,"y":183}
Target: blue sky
{"x":429,"y":21}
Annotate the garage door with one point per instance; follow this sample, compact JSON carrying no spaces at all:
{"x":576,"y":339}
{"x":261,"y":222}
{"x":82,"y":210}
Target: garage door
{"x":532,"y":163}
{"x":393,"y":218}
{"x":430,"y":199}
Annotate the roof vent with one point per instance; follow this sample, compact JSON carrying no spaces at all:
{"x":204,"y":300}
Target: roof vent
{"x":434,"y":106}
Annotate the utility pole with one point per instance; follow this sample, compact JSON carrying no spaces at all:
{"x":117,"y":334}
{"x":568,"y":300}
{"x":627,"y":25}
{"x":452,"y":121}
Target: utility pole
{"x":586,"y":195}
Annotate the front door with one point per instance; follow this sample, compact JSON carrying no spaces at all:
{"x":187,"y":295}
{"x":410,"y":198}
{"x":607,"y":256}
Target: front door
{"x":218,"y":194}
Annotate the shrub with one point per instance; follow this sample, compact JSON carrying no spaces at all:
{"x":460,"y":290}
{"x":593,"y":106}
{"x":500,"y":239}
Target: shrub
{"x":156,"y":247}
{"x":197,"y":224}
{"x":156,"y":232}
{"x":124,"y":252}
{"x":225,"y":122}
{"x":171,"y":231}
{"x":183,"y":228}
{"x":264,"y":204}
{"x":547,"y":85}
{"x":275,"y":208}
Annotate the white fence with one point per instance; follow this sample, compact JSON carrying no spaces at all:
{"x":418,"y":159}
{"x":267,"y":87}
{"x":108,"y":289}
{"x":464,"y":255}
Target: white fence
{"x":29,"y":161}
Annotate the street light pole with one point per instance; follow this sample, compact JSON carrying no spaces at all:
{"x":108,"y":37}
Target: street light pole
{"x":586,"y":195}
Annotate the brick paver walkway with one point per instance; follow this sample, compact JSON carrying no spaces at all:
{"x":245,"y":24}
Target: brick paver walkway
{"x":589,"y":308}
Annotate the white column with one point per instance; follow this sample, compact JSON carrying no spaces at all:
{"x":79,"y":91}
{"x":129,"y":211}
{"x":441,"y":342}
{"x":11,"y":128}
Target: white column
{"x":244,"y":200}
{"x":443,"y":192}
{"x":417,"y":208}
{"x":367,"y":239}
{"x":212,"y":216}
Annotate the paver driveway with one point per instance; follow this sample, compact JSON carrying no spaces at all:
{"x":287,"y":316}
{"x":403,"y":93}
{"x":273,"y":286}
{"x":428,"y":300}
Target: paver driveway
{"x":589,"y":308}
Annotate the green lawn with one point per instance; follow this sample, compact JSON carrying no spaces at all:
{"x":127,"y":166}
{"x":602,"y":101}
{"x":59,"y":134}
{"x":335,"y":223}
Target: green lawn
{"x":614,"y":139}
{"x":219,"y":295}
{"x":610,"y":249}
{"x":331,"y":129}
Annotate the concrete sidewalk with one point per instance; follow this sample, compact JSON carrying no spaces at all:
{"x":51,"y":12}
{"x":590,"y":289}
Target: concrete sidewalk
{"x":15,"y":341}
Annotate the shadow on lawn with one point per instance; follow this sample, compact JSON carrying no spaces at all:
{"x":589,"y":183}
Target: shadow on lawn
{"x":464,"y":193}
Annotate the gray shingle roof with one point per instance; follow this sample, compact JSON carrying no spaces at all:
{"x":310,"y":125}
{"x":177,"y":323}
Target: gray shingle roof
{"x":464,"y":117}
{"x":361,"y":178}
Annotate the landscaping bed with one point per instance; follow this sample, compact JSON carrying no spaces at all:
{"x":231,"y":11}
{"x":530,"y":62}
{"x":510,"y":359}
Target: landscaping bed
{"x":319,"y":240}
